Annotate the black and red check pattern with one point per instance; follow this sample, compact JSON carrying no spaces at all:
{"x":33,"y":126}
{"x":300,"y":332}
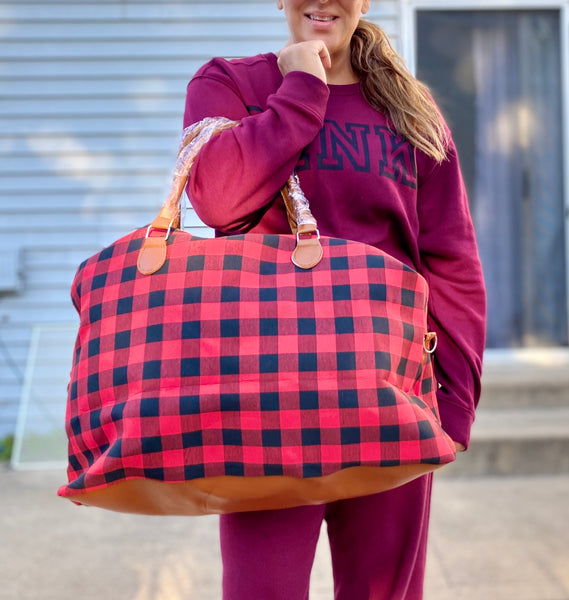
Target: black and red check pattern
{"x":232,"y":361}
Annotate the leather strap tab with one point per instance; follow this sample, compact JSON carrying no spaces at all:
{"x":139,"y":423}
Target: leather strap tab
{"x":308,"y":252}
{"x":152,"y":255}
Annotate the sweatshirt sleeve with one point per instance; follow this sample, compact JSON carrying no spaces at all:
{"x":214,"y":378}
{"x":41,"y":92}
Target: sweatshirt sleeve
{"x":241,"y":170}
{"x":457,"y":300}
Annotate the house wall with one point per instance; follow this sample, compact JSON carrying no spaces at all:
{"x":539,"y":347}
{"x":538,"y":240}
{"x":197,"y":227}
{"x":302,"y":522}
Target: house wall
{"x":91,"y":102}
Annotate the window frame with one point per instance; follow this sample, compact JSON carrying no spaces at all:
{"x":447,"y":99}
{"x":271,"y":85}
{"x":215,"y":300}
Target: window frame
{"x":408,"y":12}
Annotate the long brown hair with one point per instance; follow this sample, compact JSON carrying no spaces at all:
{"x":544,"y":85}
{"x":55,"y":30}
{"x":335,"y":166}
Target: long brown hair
{"x":391,"y":89}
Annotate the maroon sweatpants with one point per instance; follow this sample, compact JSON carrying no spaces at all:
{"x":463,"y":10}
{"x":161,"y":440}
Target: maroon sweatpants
{"x":378,"y":545}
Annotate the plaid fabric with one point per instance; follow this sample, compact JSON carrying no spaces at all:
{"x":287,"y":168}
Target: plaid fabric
{"x":232,"y":361}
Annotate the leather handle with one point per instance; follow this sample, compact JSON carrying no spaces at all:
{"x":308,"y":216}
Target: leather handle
{"x":308,"y":251}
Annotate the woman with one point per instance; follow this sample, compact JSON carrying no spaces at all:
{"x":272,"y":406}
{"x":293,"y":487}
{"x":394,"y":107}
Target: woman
{"x":377,"y":163}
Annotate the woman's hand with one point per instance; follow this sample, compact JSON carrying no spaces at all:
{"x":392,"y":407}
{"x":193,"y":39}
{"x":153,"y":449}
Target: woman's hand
{"x":310,"y":57}
{"x":459,"y":447}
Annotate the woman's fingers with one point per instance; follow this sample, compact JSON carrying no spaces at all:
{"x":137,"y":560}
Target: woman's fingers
{"x":310,"y":57}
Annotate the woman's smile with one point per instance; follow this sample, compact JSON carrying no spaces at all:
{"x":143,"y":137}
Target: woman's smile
{"x":318,"y":18}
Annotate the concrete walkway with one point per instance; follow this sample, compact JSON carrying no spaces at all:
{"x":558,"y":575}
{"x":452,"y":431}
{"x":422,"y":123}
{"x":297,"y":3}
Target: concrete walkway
{"x":491,"y":539}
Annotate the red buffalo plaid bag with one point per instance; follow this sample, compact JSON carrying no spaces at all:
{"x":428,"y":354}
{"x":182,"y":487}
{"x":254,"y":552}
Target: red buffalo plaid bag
{"x":247,"y":372}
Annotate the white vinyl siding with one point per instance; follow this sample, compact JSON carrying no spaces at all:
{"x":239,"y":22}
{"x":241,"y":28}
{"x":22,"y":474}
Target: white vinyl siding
{"x":91,"y":103}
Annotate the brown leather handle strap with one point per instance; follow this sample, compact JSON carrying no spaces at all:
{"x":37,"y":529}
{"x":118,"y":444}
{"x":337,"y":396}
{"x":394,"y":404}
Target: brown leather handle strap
{"x":301,"y":221}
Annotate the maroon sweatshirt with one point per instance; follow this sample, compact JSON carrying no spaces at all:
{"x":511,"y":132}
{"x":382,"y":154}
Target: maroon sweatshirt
{"x":364,"y":183}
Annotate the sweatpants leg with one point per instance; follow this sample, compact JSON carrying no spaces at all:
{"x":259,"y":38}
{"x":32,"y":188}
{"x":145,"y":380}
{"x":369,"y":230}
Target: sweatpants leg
{"x":378,"y":546}
{"x":268,"y":555}
{"x":379,"y":543}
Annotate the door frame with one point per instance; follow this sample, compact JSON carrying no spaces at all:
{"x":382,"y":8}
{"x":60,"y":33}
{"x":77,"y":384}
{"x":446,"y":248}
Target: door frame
{"x":408,"y":12}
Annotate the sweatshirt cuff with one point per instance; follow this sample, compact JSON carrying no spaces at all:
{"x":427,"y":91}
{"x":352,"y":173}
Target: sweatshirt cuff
{"x":456,"y":422}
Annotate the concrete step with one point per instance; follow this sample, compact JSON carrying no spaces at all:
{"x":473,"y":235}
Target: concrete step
{"x":516,"y":442}
{"x":526,"y":379}
{"x":522,"y":423}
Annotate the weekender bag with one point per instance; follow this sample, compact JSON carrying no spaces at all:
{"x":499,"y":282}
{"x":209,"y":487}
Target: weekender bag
{"x":247,"y":372}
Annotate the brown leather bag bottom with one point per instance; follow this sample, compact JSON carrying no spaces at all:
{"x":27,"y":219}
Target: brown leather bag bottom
{"x":221,"y":495}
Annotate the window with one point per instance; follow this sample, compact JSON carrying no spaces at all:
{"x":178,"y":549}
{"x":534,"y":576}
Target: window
{"x":496,"y":75}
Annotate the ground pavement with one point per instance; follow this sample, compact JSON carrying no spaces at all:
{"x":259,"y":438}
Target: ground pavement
{"x":491,"y":539}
